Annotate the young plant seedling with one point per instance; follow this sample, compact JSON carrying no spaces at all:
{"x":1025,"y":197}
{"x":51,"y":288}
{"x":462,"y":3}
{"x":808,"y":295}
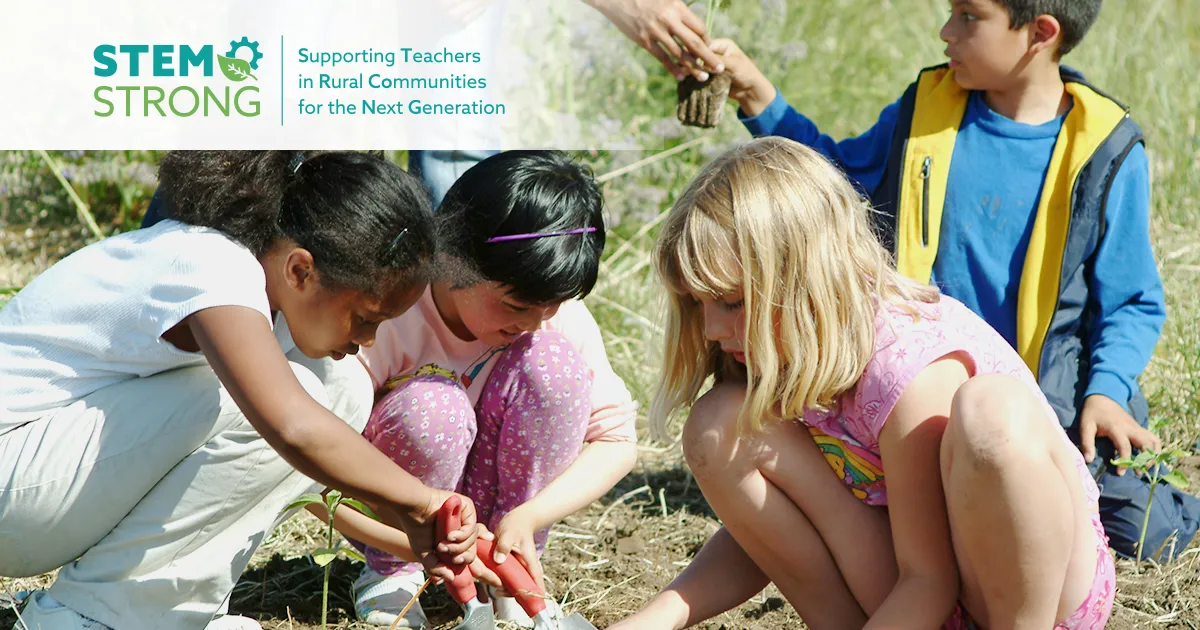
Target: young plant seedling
{"x":324,"y":556}
{"x":1150,"y":463}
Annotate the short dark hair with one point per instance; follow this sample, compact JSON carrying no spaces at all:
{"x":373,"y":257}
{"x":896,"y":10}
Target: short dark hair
{"x":524,"y":192}
{"x":367,"y":223}
{"x":1075,"y":17}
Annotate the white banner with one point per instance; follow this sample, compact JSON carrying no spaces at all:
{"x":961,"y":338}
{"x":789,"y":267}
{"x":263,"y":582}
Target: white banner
{"x":368,"y":74}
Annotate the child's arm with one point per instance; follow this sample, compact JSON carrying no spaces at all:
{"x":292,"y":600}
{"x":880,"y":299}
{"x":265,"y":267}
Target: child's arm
{"x":721,"y":577}
{"x":354,"y":524}
{"x":765,"y":113}
{"x":1127,"y":292}
{"x":910,"y":445}
{"x":242,"y":350}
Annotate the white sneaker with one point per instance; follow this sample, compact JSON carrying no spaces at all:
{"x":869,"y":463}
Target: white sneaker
{"x":233,"y":622}
{"x":41,"y":613}
{"x":378,"y":599}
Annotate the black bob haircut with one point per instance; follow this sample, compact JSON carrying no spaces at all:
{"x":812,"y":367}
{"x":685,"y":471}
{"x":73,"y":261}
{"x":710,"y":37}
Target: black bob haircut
{"x":524,"y":192}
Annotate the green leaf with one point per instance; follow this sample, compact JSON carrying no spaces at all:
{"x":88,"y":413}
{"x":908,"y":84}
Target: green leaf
{"x":303,"y":500}
{"x":361,"y":507}
{"x":1123,"y":462}
{"x":1179,"y":454}
{"x":332,"y":499}
{"x":1176,"y":478}
{"x":1144,"y":459}
{"x":324,"y":556}
{"x":353,"y":553}
{"x":235,"y":69}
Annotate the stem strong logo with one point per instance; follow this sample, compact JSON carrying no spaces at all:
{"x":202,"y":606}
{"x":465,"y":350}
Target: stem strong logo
{"x":177,"y":80}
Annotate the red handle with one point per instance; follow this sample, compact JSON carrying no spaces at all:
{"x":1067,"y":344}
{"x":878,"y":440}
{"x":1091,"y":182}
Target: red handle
{"x":515,"y":577}
{"x":462,"y":589}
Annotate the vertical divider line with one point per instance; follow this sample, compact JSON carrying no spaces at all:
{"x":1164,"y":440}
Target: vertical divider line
{"x":281,"y":80}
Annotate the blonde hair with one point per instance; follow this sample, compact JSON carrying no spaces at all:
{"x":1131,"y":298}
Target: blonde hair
{"x":776,"y":221}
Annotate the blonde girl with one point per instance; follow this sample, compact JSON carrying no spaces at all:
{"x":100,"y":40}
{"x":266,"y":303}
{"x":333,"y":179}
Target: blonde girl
{"x":956,"y":497}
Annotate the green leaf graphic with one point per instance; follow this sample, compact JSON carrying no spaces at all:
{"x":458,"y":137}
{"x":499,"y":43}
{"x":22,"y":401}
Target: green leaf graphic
{"x":235,"y":69}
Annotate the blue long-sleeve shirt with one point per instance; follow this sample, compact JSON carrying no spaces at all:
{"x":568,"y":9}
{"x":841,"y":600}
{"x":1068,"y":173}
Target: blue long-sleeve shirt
{"x":988,"y":220}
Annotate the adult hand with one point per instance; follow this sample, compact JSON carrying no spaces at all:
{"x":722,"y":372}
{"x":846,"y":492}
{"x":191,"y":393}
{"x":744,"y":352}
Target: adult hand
{"x":667,"y":29}
{"x":1104,"y":417}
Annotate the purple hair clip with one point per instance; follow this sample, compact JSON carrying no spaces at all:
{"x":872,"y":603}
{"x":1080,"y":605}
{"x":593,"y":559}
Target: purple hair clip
{"x":522,"y":237}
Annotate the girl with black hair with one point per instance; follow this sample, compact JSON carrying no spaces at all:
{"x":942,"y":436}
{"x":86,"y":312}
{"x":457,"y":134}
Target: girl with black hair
{"x":152,"y":427}
{"x":497,"y":383}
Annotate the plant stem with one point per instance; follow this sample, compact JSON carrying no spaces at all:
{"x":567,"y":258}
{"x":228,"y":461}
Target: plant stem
{"x":325,"y":597}
{"x":325,"y":586}
{"x":1146,"y":518}
{"x":710,"y":14}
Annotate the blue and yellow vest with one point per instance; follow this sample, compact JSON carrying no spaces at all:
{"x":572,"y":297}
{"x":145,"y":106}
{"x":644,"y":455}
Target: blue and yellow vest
{"x":1054,"y":314}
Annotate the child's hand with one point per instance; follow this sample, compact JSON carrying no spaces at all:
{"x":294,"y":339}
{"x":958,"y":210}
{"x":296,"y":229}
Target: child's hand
{"x":1105,"y":417}
{"x":480,"y":570}
{"x":421,"y":526}
{"x":749,"y":87}
{"x":515,"y":534}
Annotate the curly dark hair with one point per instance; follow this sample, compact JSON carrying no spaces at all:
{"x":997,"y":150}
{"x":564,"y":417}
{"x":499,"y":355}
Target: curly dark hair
{"x":367,"y":223}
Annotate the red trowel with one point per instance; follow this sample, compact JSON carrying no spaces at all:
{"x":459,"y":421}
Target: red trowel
{"x":478,"y":615}
{"x":516,"y":579}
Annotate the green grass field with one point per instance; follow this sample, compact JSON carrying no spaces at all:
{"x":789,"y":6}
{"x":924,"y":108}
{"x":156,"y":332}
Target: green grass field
{"x":840,"y":62}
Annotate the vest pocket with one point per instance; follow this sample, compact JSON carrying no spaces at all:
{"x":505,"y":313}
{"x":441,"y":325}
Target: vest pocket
{"x":926,"y":166}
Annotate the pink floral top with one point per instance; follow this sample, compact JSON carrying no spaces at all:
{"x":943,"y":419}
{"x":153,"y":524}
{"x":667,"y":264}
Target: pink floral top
{"x":848,"y":434}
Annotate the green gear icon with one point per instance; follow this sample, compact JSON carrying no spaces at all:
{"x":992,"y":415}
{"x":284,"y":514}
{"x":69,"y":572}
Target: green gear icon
{"x":245,"y":43}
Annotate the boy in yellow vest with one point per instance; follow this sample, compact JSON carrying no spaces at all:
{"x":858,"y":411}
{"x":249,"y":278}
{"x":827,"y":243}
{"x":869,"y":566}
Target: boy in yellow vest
{"x":1022,"y":191}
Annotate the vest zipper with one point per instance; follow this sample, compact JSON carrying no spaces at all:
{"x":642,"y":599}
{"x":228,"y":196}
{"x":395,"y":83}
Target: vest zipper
{"x":925,"y":167}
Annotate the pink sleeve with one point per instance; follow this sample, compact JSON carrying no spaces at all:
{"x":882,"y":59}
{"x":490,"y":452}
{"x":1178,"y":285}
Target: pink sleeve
{"x":903,"y":350}
{"x":614,"y":412}
{"x":386,"y":358}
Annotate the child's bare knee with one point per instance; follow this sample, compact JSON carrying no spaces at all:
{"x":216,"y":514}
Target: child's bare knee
{"x":992,"y":416}
{"x":711,"y":432}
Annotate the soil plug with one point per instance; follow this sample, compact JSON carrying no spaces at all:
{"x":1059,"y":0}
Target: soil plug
{"x":702,"y":103}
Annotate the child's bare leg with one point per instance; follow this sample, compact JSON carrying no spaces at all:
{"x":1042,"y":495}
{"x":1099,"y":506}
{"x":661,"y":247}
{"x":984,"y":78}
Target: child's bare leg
{"x":828,"y":553}
{"x":1021,"y":528}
